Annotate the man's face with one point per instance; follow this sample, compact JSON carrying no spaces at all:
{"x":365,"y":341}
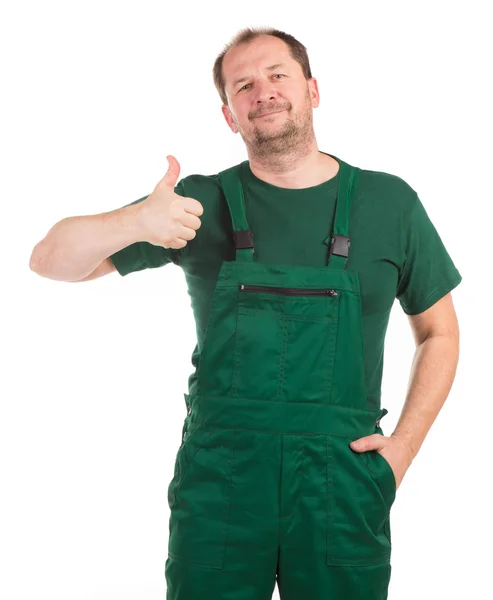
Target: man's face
{"x":282,"y":90}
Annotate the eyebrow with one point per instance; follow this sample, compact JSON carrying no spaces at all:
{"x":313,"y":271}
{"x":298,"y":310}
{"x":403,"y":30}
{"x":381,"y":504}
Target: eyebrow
{"x":271,"y":68}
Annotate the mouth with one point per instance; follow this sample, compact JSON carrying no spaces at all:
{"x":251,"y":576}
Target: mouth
{"x":269,"y":114}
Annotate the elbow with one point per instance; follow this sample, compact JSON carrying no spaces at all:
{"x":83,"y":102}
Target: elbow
{"x":35,"y":259}
{"x":40,"y":258}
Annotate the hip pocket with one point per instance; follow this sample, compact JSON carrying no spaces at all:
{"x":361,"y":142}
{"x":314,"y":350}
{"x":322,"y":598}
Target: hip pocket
{"x":360,"y":494}
{"x":198,"y":497}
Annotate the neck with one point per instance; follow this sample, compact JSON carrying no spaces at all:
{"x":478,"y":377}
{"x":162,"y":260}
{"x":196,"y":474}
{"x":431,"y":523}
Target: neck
{"x":296,"y":172}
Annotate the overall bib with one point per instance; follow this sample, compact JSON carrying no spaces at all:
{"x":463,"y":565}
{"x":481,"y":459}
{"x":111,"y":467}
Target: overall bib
{"x":266,"y":485}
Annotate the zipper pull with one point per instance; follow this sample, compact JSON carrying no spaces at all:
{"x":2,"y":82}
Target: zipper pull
{"x":332,"y":293}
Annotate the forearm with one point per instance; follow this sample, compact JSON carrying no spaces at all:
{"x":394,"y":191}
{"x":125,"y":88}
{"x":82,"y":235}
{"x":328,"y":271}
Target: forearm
{"x":432,"y":374}
{"x":75,"y":246}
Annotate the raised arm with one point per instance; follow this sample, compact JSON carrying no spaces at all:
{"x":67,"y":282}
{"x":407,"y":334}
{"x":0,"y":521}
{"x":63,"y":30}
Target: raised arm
{"x":76,"y":248}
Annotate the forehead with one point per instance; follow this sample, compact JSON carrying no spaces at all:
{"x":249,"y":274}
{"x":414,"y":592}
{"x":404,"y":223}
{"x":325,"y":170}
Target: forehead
{"x":245,"y":60}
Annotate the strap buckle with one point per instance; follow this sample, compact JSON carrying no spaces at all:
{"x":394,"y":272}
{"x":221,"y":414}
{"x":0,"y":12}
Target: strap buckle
{"x":243,"y":239}
{"x":382,"y":415}
{"x":339,"y":245}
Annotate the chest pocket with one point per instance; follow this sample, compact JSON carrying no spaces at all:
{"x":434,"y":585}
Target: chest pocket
{"x":285,"y":343}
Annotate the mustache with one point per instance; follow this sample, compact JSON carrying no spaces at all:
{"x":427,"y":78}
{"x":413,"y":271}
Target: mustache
{"x":268,"y":110}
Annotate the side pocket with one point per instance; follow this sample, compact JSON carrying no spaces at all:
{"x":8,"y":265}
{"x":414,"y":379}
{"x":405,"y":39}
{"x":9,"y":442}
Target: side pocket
{"x":357,"y":511}
{"x":199,"y":516}
{"x":385,"y":476}
{"x":189,"y":445}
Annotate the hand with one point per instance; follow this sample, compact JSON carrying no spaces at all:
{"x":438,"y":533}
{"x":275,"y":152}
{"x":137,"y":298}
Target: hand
{"x":168,"y":219}
{"x":395,"y":451}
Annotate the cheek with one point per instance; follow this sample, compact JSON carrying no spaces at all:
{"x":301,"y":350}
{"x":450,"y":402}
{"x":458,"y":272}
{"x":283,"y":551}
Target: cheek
{"x":243,"y":122}
{"x":242,"y":113}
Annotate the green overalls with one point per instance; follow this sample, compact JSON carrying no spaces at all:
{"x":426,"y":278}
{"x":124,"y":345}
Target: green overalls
{"x":266,"y":485}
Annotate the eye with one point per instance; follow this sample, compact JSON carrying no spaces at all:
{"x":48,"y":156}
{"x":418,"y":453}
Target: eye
{"x":275,"y":75}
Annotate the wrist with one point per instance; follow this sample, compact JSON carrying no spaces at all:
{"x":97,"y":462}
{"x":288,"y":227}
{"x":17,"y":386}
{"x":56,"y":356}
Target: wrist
{"x":406,"y":444}
{"x":131,"y":223}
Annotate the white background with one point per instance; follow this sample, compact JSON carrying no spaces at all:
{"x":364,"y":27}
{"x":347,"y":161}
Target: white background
{"x":95,"y":94}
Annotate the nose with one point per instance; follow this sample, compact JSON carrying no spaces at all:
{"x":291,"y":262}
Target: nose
{"x":265,"y":91}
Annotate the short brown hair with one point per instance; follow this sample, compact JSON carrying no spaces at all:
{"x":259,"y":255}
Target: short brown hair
{"x":297,"y":51}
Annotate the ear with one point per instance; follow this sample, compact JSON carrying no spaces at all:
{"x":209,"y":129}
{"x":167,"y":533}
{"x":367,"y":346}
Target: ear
{"x":314,"y":93}
{"x":229,"y":118}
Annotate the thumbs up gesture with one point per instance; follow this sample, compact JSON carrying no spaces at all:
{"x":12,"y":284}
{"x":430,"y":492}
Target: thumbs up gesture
{"x":168,"y":219}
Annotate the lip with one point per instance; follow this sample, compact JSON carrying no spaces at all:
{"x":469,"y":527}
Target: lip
{"x":268,"y":114}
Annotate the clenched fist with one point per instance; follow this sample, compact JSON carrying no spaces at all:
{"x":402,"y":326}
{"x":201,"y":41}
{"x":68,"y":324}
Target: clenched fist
{"x":170,"y":220}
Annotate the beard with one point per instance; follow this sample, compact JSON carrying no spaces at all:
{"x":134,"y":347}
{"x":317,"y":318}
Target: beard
{"x":293,"y":134}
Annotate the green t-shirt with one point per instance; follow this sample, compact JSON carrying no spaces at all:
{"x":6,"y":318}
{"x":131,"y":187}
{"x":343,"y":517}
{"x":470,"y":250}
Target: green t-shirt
{"x":395,"y":248}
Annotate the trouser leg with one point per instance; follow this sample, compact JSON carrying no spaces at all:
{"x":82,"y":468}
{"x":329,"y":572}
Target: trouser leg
{"x":334,"y":534}
{"x":224,"y":518}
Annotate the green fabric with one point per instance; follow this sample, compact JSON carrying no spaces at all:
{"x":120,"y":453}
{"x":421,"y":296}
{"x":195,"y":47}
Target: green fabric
{"x":395,"y":248}
{"x":248,"y":507}
{"x":265,"y":485}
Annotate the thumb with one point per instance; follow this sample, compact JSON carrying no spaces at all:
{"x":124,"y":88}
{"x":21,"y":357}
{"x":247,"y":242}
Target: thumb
{"x":369,"y":442}
{"x":173,"y":172}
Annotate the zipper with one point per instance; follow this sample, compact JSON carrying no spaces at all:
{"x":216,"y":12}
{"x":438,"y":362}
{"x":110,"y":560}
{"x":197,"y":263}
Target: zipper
{"x":287,"y":291}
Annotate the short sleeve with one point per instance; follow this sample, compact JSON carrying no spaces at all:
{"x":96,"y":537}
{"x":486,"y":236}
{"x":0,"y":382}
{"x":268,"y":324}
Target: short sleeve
{"x":143,"y":255}
{"x":428,"y":272}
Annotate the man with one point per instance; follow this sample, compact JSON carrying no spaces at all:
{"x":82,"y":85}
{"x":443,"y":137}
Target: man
{"x":293,"y":267}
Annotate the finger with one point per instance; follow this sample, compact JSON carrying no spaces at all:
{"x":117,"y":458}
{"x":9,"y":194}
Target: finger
{"x":172,"y":174}
{"x":178,"y":243}
{"x":192,"y":206}
{"x":186,"y":233}
{"x":369,"y":442}
{"x":190,"y":220}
